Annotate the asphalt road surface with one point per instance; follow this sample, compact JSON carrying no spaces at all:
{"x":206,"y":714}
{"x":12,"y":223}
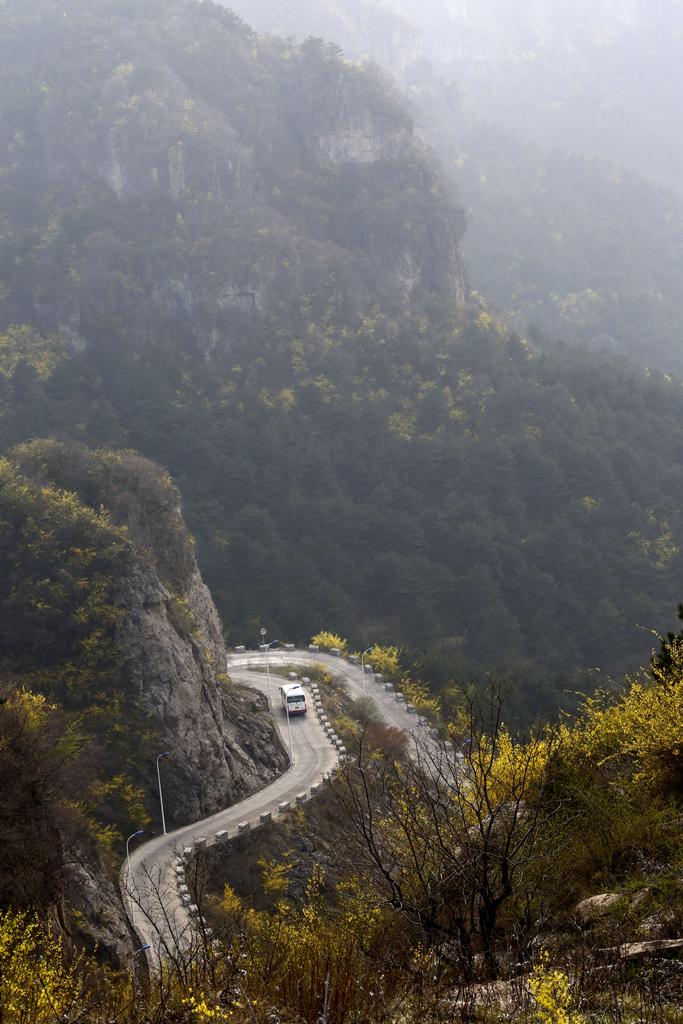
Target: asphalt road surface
{"x":151,"y":894}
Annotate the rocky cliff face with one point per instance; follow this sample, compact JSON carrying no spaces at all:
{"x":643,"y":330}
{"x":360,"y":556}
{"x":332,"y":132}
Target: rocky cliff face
{"x":359,"y":143}
{"x":127,"y":648}
{"x":173,"y":174}
{"x":222,"y":740}
{"x":167,"y":639}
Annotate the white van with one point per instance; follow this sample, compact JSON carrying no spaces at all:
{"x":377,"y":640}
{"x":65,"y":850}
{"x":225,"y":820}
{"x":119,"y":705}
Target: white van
{"x":293,"y":698}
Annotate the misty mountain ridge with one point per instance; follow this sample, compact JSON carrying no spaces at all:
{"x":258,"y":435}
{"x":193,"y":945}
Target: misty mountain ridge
{"x":569,"y":175}
{"x":252,"y":166}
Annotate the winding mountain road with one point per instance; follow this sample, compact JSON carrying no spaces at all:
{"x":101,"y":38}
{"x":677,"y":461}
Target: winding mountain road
{"x":153,"y":894}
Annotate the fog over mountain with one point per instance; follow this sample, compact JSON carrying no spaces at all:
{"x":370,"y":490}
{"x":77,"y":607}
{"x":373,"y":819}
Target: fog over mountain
{"x":558,"y":122}
{"x":358,"y":329}
{"x":602,"y":78}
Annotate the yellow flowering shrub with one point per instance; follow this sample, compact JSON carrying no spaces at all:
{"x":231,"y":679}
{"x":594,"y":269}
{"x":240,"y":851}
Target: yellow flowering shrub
{"x":34,"y":707}
{"x":644,"y":727}
{"x":231,"y":904}
{"x":275,"y":875}
{"x":420,"y":697}
{"x":294,"y":949}
{"x":325,"y":640}
{"x":201,"y":1010}
{"x":518,"y":769}
{"x":37,"y":986}
{"x":552,"y":994}
{"x":387,"y":660}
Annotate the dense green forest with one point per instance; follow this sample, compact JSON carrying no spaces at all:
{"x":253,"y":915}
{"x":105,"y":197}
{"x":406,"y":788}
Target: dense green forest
{"x":504,"y":505}
{"x":355,"y":448}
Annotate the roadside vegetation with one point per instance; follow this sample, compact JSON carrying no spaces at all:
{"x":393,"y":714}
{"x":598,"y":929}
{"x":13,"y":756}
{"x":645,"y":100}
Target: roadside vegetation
{"x":532,"y":878}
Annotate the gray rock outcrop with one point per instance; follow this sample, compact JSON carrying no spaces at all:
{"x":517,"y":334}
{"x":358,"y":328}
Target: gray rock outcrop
{"x":223,"y":742}
{"x":595,"y":907}
{"x":212,"y":189}
{"x":658,"y":948}
{"x":91,"y":914}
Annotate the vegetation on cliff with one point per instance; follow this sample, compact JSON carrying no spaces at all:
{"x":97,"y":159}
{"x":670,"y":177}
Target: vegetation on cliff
{"x":443,"y":888}
{"x":352,"y":446}
{"x":66,"y":552}
{"x":88,"y":540}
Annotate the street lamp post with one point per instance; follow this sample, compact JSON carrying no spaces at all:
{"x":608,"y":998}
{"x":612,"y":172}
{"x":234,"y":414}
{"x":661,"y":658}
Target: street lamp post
{"x":139,"y":832}
{"x":142,"y":949}
{"x":166,"y":753}
{"x":266,"y":647}
{"x":289,"y":732}
{"x":362,"y":667}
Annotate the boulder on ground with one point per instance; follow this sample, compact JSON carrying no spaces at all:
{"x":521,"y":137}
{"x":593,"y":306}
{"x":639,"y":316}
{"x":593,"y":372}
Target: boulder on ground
{"x":658,"y":947}
{"x":597,"y":906}
{"x":656,"y":925}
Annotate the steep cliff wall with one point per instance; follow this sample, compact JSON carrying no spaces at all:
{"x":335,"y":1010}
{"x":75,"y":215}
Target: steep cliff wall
{"x":112,"y":652}
{"x":166,"y":640}
{"x":222,"y":740}
{"x":183,"y":182}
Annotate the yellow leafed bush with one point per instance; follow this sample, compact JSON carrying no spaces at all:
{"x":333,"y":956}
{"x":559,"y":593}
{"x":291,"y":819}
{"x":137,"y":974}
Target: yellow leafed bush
{"x":642,"y":731}
{"x":518,"y":769}
{"x":37,"y":986}
{"x":386,"y":660}
{"x":295,"y":952}
{"x":327,"y":640}
{"x":551,"y":991}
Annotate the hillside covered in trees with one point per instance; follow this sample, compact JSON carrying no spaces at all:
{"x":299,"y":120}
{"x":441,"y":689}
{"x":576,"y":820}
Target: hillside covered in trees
{"x":233,"y":296}
{"x":266,"y":297}
{"x":111,"y":652}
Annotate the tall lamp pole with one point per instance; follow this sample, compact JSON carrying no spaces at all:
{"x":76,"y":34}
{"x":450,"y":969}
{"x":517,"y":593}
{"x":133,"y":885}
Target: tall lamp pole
{"x":166,"y":753}
{"x":139,"y":832}
{"x":266,"y":647}
{"x":142,"y":949}
{"x":362,"y":667}
{"x":289,"y":732}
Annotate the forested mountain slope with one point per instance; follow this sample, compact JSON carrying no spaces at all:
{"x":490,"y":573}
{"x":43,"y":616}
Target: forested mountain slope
{"x":452,"y":488}
{"x":586,"y":250}
{"x":240,"y":263}
{"x":568,"y":170}
{"x":166,"y":172}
